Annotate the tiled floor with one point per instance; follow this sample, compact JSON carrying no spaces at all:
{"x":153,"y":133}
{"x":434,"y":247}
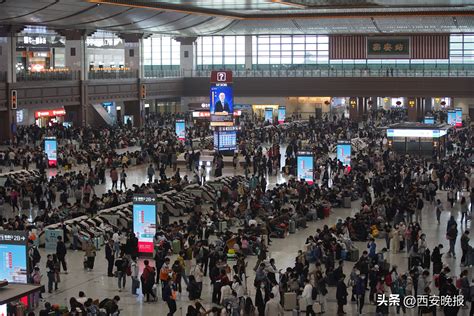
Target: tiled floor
{"x":97,"y":285}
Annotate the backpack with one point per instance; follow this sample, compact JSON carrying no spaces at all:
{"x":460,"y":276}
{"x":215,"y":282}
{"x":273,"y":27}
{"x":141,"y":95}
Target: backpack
{"x":129,"y":270}
{"x":314,"y":293}
{"x":388,"y":279}
{"x":36,"y":255}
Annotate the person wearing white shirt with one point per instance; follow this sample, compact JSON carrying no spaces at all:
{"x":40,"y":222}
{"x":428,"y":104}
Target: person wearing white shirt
{"x":226,"y":294}
{"x":307,"y":297}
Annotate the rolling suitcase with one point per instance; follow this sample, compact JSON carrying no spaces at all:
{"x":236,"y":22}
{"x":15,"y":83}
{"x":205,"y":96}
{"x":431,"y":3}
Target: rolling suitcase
{"x":317,"y":308}
{"x":292,"y":226}
{"x":289,"y":300}
{"x":176,"y":245}
{"x":346,"y":202}
{"x":222,"y":227}
{"x":353,"y":255}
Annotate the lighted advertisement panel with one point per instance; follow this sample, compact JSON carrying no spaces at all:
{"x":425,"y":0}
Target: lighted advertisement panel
{"x":305,"y":167}
{"x":13,"y":256}
{"x":458,"y":117}
{"x":452,"y":117}
{"x":281,"y":114}
{"x":269,"y":115}
{"x":344,"y":152}
{"x":429,"y":120}
{"x":222,"y":104}
{"x":180,"y":126}
{"x":51,"y":150}
{"x":225,"y":139}
{"x":424,"y":133}
{"x":144,"y":221}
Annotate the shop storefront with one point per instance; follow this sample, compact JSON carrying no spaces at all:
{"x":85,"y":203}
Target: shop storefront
{"x":44,"y":118}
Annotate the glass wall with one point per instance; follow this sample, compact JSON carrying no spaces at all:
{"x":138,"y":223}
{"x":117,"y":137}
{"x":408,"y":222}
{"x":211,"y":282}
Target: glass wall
{"x":461,"y":49}
{"x":105,"y":50}
{"x":289,"y":52}
{"x":220,"y":52}
{"x":161,"y":53}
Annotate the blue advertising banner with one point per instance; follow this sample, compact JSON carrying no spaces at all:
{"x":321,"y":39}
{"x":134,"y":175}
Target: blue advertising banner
{"x":452,"y":117}
{"x":51,"y":148}
{"x":13,"y":254}
{"x":269,"y":115}
{"x":281,"y":114}
{"x":305,"y":167}
{"x":344,"y":153}
{"x":180,"y":127}
{"x":144,"y":221}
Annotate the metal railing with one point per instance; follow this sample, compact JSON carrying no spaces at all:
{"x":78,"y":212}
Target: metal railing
{"x":319,"y":73}
{"x":48,"y":75}
{"x":112,"y":75}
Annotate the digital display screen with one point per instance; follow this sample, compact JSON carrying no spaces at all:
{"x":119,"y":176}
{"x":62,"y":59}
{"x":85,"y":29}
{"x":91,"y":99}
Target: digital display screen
{"x":51,"y":148}
{"x":281,"y":114}
{"x":144,"y":221}
{"x":452,"y":117}
{"x":429,"y":120}
{"x":433,"y":133}
{"x":458,"y":117}
{"x":305,"y":168}
{"x":269,"y":115}
{"x":221,"y":104}
{"x":181,"y":129}
{"x":225,"y":140}
{"x":344,"y":153}
{"x":13,"y":256}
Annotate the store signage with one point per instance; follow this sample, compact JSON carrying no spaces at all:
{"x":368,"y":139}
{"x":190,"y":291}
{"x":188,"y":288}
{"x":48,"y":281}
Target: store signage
{"x":221,"y":76}
{"x":49,"y":113}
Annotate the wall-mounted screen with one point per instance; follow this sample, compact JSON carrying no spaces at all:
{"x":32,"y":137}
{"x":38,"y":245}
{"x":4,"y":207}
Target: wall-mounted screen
{"x":221,"y":104}
{"x":144,"y":221}
{"x":225,"y":140}
{"x":344,"y":152}
{"x":180,"y":127}
{"x":305,"y":167}
{"x":281,"y":114}
{"x":458,"y":117}
{"x":51,"y":150}
{"x":13,"y":256}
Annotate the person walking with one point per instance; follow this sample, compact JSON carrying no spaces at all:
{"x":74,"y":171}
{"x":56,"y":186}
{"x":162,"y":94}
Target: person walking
{"x":114,"y":177}
{"x":90,"y":253}
{"x":109,"y":256}
{"x":75,"y":236}
{"x":123,"y":179}
{"x":341,"y":295}
{"x":169,"y":296}
{"x":134,"y":275}
{"x":465,"y":247}
{"x":151,"y":173}
{"x":451,"y":235}
{"x":464,"y":209}
{"x":148,"y":280}
{"x":61,"y":251}
{"x":438,"y":209}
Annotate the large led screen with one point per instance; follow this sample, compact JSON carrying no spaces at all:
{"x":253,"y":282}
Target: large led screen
{"x":458,"y":117}
{"x":221,"y":104}
{"x":281,"y":114}
{"x":51,"y":148}
{"x":13,"y":256}
{"x":144,"y":221}
{"x":344,"y":153}
{"x":452,"y":117}
{"x":180,"y":129}
{"x":305,"y":167}
{"x":269,"y":115}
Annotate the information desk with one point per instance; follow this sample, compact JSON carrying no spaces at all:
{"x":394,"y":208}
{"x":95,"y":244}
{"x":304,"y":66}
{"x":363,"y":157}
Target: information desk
{"x":13,"y":291}
{"x":418,"y":138}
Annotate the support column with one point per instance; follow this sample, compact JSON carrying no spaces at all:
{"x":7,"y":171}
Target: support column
{"x":8,"y":57}
{"x":133,"y":52}
{"x":248,"y":52}
{"x":412,"y":109}
{"x":353,"y":110}
{"x":75,"y":52}
{"x":186,"y":51}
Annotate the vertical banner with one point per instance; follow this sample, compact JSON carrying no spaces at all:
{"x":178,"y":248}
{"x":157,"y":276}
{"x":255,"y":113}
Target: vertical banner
{"x":13,"y":256}
{"x":51,"y":150}
{"x":458,"y":117}
{"x":305,"y":167}
{"x":343,"y":150}
{"x":281,"y":114}
{"x":269,"y":115}
{"x":221,"y":106}
{"x":180,"y":127}
{"x":51,"y":238}
{"x":144,"y":221}
{"x":452,"y":117}
{"x":353,"y":110}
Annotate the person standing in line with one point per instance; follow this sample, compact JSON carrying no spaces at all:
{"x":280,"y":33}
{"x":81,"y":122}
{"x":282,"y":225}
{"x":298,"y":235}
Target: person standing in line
{"x":307,"y":297}
{"x":341,"y":295}
{"x":122,"y":266}
{"x":90,"y":253}
{"x":439,"y":209}
{"x":465,"y":248}
{"x":451,"y":235}
{"x":134,"y":275}
{"x":419,"y":208}
{"x":50,"y":273}
{"x":123,"y":179}
{"x":169,"y":296}
{"x":61,"y":251}
{"x":273,"y":307}
{"x":109,"y":256}
{"x":114,"y":177}
{"x":150,"y":172}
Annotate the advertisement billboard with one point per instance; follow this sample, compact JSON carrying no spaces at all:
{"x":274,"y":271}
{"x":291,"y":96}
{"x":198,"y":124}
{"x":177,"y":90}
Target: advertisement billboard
{"x":51,"y":148}
{"x":144,"y":221}
{"x":281,"y":114}
{"x":343,"y":150}
{"x":180,"y":127}
{"x":225,"y":140}
{"x":452,"y":117}
{"x":13,"y":256}
{"x":305,"y":165}
{"x":429,"y":120}
{"x":458,"y":117}
{"x":269,"y":115}
{"x":221,"y":104}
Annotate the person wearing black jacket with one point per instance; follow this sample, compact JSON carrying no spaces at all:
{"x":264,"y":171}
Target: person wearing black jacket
{"x":436,"y":259}
{"x":109,"y":255}
{"x":167,"y":296}
{"x":341,"y":295}
{"x":51,"y":272}
{"x":61,"y":253}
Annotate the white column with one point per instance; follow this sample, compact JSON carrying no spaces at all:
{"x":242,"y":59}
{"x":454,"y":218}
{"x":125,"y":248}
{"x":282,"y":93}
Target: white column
{"x":7,"y":57}
{"x":75,"y":56}
{"x":186,"y":51}
{"x":133,"y":52}
{"x":248,"y":52}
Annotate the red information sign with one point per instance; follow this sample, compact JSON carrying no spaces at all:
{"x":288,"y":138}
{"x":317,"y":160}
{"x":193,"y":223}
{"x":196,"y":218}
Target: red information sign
{"x":47,"y":113}
{"x":221,"y":76}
